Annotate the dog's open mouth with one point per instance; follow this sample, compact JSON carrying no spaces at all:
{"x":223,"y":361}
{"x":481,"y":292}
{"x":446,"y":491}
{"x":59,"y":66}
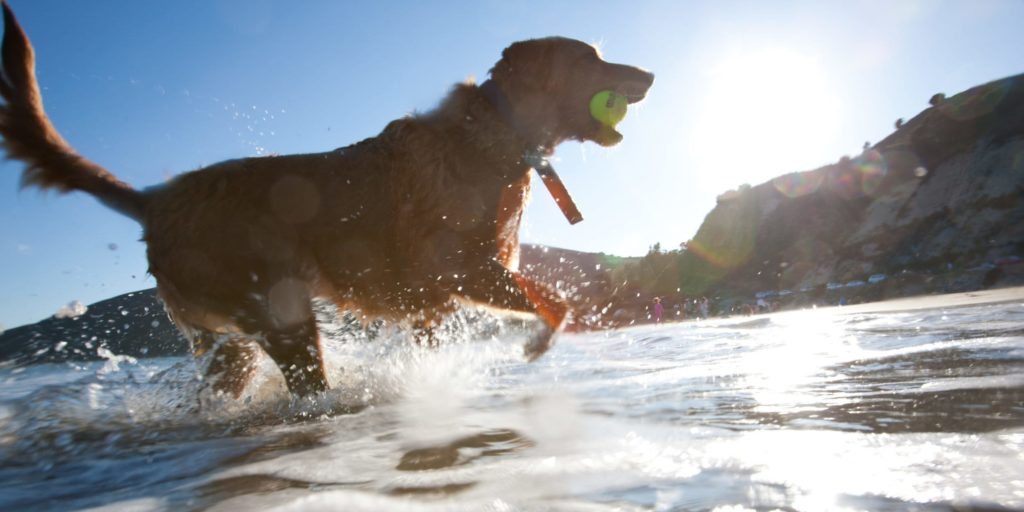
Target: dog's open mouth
{"x":634,"y":92}
{"x":605,"y":135}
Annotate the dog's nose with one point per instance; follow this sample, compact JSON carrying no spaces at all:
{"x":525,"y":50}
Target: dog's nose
{"x":636,"y":85}
{"x":644,"y":79}
{"x":648,"y":77}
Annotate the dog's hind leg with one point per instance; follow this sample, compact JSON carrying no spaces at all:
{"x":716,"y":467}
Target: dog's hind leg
{"x":423,"y":333}
{"x":284,"y":319}
{"x":232,"y":366}
{"x":425,"y":326}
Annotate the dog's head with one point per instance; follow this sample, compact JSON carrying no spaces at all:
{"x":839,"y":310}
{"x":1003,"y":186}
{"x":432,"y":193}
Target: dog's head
{"x":549,"y":83}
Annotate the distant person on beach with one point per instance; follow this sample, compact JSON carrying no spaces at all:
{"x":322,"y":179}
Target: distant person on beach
{"x":703,"y":307}
{"x":658,"y":310}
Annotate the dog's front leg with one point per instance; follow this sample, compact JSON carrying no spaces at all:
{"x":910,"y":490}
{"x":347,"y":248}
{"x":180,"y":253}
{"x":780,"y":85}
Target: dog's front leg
{"x":500,"y":287}
{"x":551,"y":307}
{"x":298,"y":354}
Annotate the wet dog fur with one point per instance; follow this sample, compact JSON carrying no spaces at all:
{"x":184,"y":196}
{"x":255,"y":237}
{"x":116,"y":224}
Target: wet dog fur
{"x":399,"y":226}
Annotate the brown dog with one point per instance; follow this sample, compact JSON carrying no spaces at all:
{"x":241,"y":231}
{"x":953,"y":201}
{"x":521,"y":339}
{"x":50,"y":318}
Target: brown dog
{"x":396,"y":226}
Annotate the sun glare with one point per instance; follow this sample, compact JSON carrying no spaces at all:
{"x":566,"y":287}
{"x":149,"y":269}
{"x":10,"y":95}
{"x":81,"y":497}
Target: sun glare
{"x":763,"y":114}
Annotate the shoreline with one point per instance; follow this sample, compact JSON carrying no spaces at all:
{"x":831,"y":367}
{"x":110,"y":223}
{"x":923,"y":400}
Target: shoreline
{"x":919,"y":302}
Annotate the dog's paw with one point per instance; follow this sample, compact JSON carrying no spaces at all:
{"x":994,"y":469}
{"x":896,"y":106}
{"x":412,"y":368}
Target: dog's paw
{"x":539,"y":343}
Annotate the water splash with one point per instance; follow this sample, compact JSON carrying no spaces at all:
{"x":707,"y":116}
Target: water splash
{"x":908,"y":409}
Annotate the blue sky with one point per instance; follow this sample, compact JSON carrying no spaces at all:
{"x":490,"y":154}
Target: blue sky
{"x":745,"y":91}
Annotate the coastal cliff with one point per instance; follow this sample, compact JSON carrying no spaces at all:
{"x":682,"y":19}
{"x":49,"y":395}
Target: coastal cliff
{"x":938,"y":205}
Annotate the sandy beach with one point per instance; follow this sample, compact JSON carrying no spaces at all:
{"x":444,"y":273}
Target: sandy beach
{"x":992,"y":296}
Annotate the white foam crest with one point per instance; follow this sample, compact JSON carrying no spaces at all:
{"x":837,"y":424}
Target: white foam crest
{"x":135,"y":505}
{"x":73,"y":309}
{"x":437,"y":389}
{"x":1010,"y":381}
{"x":357,"y":501}
{"x":113,"y":361}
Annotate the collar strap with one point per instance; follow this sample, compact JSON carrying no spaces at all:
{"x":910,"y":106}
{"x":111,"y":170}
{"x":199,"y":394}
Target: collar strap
{"x":534,"y":158}
{"x":493,"y":93}
{"x":501,"y":103}
{"x":555,"y":186}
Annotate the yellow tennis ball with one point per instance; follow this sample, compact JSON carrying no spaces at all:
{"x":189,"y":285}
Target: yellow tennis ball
{"x":608,"y":107}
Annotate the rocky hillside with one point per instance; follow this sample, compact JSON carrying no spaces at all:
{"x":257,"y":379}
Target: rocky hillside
{"x":936,"y":206}
{"x":132,"y":324}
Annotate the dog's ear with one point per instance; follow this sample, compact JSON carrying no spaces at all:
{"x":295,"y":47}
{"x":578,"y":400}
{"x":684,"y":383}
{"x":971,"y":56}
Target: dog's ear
{"x":524,"y":66}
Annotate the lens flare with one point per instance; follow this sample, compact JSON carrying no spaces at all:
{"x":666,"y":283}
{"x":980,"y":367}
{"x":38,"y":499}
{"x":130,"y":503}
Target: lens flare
{"x":724,"y":257}
{"x":799,"y":184}
{"x":873,"y":169}
{"x":861,"y":176}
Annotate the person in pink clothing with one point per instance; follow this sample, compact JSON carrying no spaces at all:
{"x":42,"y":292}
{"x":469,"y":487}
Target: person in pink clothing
{"x":658,"y":310}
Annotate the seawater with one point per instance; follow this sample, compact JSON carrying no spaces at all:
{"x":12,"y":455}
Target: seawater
{"x":810,"y":410}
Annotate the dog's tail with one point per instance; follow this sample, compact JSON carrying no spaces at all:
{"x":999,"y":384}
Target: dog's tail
{"x":29,"y":136}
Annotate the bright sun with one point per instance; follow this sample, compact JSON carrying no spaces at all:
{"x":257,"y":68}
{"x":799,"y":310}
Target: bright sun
{"x":761,"y":114}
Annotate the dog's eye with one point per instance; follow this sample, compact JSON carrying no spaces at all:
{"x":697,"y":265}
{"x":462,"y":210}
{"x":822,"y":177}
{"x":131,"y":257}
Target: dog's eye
{"x":585,"y":58}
